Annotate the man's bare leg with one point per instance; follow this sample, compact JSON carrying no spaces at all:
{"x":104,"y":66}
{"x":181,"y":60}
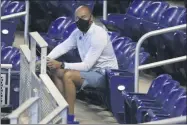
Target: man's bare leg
{"x":71,"y":79}
{"x":57,"y":76}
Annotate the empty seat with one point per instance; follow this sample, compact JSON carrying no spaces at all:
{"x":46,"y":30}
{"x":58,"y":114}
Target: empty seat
{"x":175,"y":110}
{"x":56,"y":30}
{"x":4,"y":4}
{"x":152,"y":14}
{"x":7,"y":53}
{"x":8,"y":27}
{"x":165,"y":105}
{"x":137,"y":105}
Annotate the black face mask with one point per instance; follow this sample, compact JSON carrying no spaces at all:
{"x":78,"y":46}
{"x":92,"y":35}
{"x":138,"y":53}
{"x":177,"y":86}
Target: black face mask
{"x":83,"y":25}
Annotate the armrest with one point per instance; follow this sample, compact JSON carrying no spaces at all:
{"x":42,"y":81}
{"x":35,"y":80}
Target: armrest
{"x":118,"y":72}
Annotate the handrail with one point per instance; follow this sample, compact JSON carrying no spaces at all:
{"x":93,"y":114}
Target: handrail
{"x":137,"y":51}
{"x":26,"y":105}
{"x":15,"y":15}
{"x":37,"y":39}
{"x":26,"y":51}
{"x":6,"y":66}
{"x":175,"y":120}
{"x":52,"y":115}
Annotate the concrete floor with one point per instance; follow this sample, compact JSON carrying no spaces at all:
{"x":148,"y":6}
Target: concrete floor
{"x":87,"y":113}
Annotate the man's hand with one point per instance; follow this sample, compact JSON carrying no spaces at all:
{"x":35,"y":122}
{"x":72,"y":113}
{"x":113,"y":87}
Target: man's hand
{"x":38,"y":65}
{"x":53,"y":64}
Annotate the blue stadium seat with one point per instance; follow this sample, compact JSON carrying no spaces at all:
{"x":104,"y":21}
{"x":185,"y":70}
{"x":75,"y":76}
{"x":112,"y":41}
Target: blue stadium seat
{"x":4,"y":4}
{"x":7,"y":53}
{"x":9,"y":26}
{"x":165,"y":105}
{"x":175,"y":110}
{"x":152,"y":14}
{"x":56,"y":30}
{"x":136,"y":9}
{"x":137,"y":104}
{"x":69,"y":30}
{"x":15,"y":61}
{"x":3,"y":45}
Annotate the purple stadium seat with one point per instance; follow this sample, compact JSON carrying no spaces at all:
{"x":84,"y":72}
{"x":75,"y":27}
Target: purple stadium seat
{"x":165,"y":105}
{"x":152,"y":14}
{"x":136,"y":9}
{"x":56,"y":30}
{"x":4,"y":4}
{"x":15,"y":61}
{"x":7,"y":53}
{"x":175,"y":110}
{"x":9,"y":26}
{"x":3,"y":45}
{"x":138,"y":104}
{"x":69,"y":30}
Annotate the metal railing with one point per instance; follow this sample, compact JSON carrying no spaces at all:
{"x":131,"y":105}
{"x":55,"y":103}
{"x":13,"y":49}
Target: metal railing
{"x":175,"y":120}
{"x":8,"y":67}
{"x":156,"y":64}
{"x":104,"y":9}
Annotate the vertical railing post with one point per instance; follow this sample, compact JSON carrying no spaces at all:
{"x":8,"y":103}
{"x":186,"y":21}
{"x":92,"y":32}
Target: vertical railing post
{"x":43,"y":60}
{"x":64,"y":116}
{"x":33,"y":55}
{"x":104,"y":9}
{"x":26,"y":28}
{"x":34,"y":113}
{"x":9,"y":77}
{"x":14,"y":121}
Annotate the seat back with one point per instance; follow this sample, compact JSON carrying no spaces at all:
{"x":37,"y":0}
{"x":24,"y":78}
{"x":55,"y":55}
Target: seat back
{"x":4,"y":4}
{"x":113,"y":35}
{"x":171,"y":17}
{"x":7,"y":53}
{"x":154,"y":12}
{"x":173,"y":96}
{"x":57,"y":27}
{"x":179,"y":107}
{"x":69,"y":30}
{"x":138,"y":7}
{"x":143,"y":57}
{"x":165,"y":90}
{"x":15,"y":61}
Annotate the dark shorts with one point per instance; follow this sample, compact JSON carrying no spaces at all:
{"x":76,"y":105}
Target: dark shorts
{"x":93,"y":79}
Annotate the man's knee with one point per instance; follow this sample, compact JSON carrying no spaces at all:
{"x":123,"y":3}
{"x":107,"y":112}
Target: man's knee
{"x":58,"y":73}
{"x":68,"y":75}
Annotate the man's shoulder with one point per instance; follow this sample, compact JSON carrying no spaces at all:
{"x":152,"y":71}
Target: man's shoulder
{"x":100,"y":32}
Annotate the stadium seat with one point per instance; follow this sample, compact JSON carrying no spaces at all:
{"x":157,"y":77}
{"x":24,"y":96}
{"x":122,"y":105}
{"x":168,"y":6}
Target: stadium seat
{"x":56,"y":30}
{"x":165,"y":105}
{"x":3,"y":45}
{"x":15,"y":61}
{"x":152,"y":14}
{"x":9,"y":26}
{"x":4,"y":4}
{"x":69,"y":30}
{"x":117,"y":20}
{"x":7,"y":53}
{"x":175,"y":110}
{"x":138,"y":104}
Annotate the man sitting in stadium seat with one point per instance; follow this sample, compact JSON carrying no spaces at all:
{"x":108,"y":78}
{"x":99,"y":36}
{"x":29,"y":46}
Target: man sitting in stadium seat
{"x":96,"y":53}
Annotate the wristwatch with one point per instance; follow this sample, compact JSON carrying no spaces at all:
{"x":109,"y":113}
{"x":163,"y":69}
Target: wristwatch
{"x":62,"y":65}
